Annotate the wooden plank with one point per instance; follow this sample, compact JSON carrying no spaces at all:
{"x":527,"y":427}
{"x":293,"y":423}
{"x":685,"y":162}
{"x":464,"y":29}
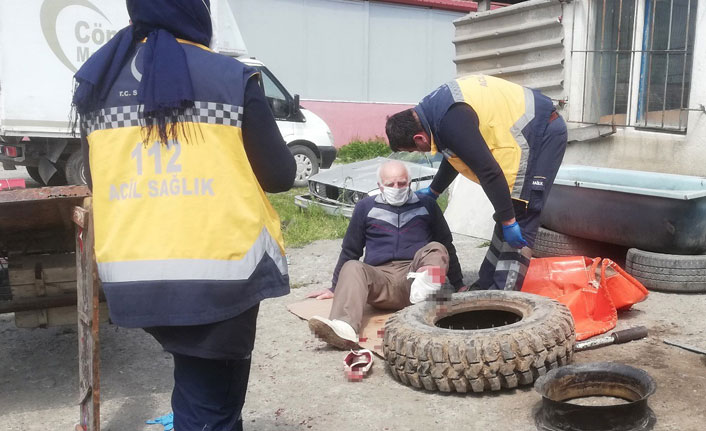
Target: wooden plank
{"x":29,"y":215}
{"x":52,"y":289}
{"x":57,"y":316}
{"x":34,"y":303}
{"x":59,"y":267}
{"x":88,"y":306}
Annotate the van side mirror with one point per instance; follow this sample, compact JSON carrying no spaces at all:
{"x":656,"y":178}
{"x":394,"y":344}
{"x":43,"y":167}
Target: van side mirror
{"x":296,"y":106}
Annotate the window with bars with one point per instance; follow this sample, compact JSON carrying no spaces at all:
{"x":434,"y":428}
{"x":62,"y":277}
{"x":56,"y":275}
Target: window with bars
{"x":637,"y":63}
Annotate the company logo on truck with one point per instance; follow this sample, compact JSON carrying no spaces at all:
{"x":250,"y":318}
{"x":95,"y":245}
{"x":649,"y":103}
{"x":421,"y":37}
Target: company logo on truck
{"x":81,"y":35}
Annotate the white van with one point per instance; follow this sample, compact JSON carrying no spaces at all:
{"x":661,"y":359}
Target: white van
{"x":36,"y":85}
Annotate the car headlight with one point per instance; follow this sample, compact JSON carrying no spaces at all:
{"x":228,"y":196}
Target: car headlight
{"x":317,"y":188}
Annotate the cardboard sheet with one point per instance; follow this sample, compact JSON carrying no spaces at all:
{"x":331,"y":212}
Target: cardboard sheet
{"x":372,"y":325}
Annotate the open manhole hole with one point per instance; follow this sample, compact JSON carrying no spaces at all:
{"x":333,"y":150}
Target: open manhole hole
{"x":602,"y":396}
{"x":479,"y":319}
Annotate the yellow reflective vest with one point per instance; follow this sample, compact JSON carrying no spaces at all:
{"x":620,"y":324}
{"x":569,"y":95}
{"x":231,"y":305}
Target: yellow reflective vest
{"x":184,"y":234}
{"x":504,"y":111}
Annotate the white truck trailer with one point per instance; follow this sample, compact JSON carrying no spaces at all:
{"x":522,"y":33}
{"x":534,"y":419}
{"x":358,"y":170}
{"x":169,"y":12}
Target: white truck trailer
{"x":44,"y":42}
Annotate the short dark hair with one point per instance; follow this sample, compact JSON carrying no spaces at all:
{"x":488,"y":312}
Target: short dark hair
{"x":401,"y":128}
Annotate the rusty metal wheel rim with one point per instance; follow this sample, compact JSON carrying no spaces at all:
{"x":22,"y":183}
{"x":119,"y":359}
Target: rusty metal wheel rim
{"x":602,"y":379}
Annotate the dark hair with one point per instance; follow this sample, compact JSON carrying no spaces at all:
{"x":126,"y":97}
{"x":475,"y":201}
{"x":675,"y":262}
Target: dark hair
{"x":401,"y":128}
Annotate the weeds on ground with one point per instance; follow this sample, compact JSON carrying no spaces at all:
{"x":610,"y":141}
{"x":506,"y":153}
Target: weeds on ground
{"x":363,"y":150}
{"x":300,"y":227}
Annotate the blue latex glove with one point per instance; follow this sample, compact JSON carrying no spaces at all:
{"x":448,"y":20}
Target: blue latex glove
{"x":513,"y":236}
{"x":427,"y":191}
{"x":167,"y":421}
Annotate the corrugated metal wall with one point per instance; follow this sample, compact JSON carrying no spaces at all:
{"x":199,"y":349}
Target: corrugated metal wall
{"x":523,"y":43}
{"x":350,"y":50}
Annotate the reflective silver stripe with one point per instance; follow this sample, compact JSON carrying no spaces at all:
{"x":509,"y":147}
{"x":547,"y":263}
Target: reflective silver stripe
{"x":407,"y":216}
{"x":383,"y":215}
{"x":195,"y":269}
{"x":515,"y":269}
{"x":491,"y":257}
{"x":393,"y":218}
{"x":511,"y":279}
{"x":516,"y":130}
{"x":456,"y":92}
{"x":510,"y":265}
{"x":499,"y":245}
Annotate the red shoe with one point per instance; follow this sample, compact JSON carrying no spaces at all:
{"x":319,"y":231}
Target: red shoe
{"x":357,"y":363}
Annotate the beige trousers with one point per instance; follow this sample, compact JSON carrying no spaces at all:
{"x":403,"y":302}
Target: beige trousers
{"x":384,"y":286}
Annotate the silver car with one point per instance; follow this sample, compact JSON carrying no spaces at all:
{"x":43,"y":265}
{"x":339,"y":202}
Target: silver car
{"x":338,"y":189}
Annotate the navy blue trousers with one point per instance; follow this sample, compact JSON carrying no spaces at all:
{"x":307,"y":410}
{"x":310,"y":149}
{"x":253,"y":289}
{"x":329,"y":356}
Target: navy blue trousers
{"x":505,"y":267}
{"x":211,"y":371}
{"x":209,"y":394}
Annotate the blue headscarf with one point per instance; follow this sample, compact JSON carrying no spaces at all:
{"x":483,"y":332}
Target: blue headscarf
{"x":165,"y":90}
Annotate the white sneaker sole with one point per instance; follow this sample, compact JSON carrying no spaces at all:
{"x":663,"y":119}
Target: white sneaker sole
{"x":329,"y":335}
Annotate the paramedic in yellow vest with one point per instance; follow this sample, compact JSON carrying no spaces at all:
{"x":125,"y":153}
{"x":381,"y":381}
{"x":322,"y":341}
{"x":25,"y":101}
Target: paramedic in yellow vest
{"x":182,"y":146}
{"x":505,"y":137}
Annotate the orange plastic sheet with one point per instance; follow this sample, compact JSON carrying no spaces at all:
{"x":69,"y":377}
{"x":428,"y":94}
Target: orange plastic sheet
{"x":592,"y":289}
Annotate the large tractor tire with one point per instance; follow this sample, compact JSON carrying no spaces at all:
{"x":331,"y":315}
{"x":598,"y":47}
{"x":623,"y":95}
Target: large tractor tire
{"x":668,"y":272}
{"x":478,"y":341}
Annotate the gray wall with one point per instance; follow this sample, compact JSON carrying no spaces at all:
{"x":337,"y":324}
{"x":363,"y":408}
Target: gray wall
{"x":350,"y":50}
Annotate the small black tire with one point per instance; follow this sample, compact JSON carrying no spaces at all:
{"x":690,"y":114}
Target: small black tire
{"x":307,"y":164}
{"x":75,"y":169}
{"x":667,"y":272}
{"x":549,"y":243}
{"x":33,"y":172}
{"x":422,"y":355}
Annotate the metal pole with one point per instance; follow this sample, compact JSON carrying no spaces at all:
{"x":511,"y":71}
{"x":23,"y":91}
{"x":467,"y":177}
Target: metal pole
{"x":649,"y":62}
{"x":483,"y":5}
{"x":600,"y":61}
{"x":585,"y":61}
{"x":666,"y":69}
{"x":617,"y":61}
{"x":686,"y":55}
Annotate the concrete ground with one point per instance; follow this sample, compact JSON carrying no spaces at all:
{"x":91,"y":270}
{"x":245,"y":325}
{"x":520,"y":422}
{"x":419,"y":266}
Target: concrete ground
{"x":297,"y":382}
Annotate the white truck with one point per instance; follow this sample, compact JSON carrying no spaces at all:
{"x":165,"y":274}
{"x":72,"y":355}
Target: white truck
{"x":44,"y":42}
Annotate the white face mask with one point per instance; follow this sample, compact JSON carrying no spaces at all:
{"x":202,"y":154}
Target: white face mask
{"x":395,"y":197}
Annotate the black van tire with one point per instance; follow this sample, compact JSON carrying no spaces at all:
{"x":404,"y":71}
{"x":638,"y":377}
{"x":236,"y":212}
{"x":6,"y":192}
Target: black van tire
{"x":422,"y":355}
{"x":667,"y":272}
{"x":74,"y":169}
{"x":307,"y":164}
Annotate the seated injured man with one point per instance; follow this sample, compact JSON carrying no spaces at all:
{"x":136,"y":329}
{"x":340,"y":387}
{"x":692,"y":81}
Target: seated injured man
{"x":403,"y":235}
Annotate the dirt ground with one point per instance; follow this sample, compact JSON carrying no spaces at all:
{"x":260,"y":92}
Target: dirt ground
{"x":297,"y":382}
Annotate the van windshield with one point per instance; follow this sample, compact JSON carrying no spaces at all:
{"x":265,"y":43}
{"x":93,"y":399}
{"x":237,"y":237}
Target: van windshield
{"x":276,"y":95}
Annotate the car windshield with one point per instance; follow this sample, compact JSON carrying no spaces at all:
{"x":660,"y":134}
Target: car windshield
{"x":425,"y":159}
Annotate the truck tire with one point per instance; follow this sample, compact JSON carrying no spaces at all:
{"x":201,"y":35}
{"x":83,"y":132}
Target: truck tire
{"x":520,"y":337}
{"x":75,"y":174}
{"x":307,"y":164}
{"x":667,"y":272}
{"x":33,"y":172}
